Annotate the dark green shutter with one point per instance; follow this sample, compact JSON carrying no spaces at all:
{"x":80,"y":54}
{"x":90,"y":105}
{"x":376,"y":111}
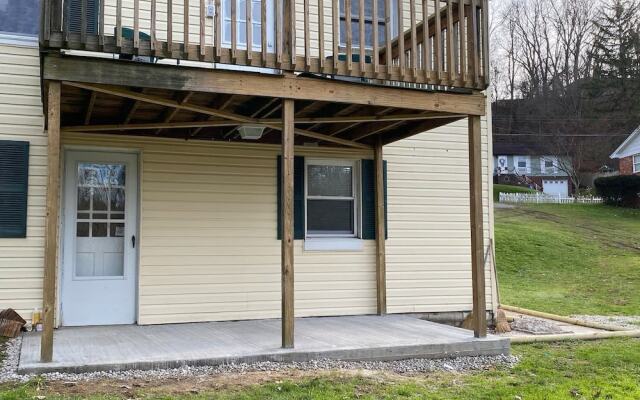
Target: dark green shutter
{"x":298,"y":197}
{"x":14,"y":179}
{"x":369,"y":199}
{"x":73,"y":16}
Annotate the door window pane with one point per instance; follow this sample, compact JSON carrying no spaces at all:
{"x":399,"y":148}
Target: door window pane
{"x":100,"y":200}
{"x":99,"y":229}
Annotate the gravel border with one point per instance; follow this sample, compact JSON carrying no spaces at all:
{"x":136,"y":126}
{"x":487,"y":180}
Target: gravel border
{"x":631,"y":322}
{"x":419,"y":365}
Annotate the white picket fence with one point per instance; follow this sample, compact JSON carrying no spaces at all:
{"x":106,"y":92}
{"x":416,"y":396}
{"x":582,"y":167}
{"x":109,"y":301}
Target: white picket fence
{"x":543,"y":198}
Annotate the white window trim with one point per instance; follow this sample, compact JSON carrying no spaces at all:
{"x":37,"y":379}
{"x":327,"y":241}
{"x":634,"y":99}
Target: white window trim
{"x":635,"y":160}
{"x":226,"y":41}
{"x":337,"y":241}
{"x":527,"y":168}
{"x":17,"y":39}
{"x":543,"y":167}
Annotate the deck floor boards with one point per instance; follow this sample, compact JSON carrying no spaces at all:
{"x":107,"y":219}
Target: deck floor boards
{"x":103,"y":348}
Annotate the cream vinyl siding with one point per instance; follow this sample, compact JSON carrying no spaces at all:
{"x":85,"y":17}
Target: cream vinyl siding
{"x":21,"y":259}
{"x":428,"y":250}
{"x":208,"y":246}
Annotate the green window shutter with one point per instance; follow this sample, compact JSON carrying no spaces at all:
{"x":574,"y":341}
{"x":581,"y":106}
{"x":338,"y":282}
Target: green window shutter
{"x":369,"y":199}
{"x":298,"y":197}
{"x":14,"y":179}
{"x":73,"y":16}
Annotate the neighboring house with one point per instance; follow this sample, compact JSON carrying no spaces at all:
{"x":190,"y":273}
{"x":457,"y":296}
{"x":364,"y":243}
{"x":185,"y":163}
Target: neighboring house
{"x":155,"y":193}
{"x":529,"y":165}
{"x":628,"y":154}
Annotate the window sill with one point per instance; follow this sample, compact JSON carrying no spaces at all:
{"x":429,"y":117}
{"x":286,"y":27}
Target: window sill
{"x":16,"y":39}
{"x":333,"y":244}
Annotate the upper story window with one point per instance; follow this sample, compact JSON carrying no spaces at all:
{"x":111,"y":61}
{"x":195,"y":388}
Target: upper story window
{"x":549,"y":165}
{"x":332,"y":198}
{"x":522,"y":165}
{"x":241,"y":23}
{"x":369,"y":23}
{"x":19,"y":18}
{"x":636,"y":163}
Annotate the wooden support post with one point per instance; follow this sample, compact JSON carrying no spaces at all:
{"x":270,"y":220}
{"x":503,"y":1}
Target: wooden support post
{"x":477,"y":237}
{"x":53,"y":204}
{"x":381,"y":264}
{"x":287,"y":223}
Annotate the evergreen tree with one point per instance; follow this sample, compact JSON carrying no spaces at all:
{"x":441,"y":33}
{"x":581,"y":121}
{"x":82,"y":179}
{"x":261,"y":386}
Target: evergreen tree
{"x":616,"y":58}
{"x":617,"y":42}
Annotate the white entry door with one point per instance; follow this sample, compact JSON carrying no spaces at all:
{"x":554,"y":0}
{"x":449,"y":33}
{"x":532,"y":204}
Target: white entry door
{"x":100,"y":239}
{"x":556,"y":186}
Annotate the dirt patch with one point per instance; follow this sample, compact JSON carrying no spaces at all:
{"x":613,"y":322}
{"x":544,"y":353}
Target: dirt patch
{"x":138,"y":388}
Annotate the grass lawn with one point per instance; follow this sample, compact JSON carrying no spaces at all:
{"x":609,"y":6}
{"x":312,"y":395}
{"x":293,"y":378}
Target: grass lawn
{"x":569,"y":259}
{"x":498,"y":188}
{"x":571,"y":370}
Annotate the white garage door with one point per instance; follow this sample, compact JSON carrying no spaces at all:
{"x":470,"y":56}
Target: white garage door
{"x":556,"y":186}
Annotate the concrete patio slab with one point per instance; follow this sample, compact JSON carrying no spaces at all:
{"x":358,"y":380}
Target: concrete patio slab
{"x":104,"y":348}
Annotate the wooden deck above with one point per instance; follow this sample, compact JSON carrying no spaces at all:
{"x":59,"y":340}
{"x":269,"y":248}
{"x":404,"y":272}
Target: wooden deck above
{"x":427,"y":44}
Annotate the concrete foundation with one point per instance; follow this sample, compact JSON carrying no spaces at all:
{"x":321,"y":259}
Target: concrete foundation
{"x":104,"y":348}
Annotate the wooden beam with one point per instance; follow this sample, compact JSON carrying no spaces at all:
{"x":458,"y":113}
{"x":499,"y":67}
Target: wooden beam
{"x":155,"y":125}
{"x":477,"y":234}
{"x":51,"y":222}
{"x":87,"y":115}
{"x":172,"y":112}
{"x":287,"y":224}
{"x":116,"y":91}
{"x":381,"y":264}
{"x":115,"y":72}
{"x":221,"y":102}
{"x":206,"y":110}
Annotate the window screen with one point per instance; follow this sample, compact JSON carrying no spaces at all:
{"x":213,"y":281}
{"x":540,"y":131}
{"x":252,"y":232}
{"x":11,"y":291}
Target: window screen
{"x":331,"y":200}
{"x":20,"y":17}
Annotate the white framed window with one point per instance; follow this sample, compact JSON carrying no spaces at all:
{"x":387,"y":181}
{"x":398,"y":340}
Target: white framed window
{"x":332,"y":197}
{"x":522,"y":165}
{"x":19,"y":22}
{"x":369,"y":23}
{"x":636,"y":163}
{"x":549,"y":165}
{"x":241,"y":24}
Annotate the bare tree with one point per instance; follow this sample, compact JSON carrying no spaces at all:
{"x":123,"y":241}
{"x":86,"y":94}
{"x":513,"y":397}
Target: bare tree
{"x":568,"y":154}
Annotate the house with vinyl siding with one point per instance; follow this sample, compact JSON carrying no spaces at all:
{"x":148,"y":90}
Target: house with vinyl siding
{"x":628,"y":154}
{"x":531,"y":165}
{"x":156,"y":171}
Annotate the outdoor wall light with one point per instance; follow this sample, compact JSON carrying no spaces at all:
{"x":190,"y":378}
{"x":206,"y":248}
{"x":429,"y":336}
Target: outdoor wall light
{"x":251,"y":132}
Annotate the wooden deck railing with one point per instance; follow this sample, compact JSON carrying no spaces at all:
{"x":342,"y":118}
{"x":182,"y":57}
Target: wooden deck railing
{"x":433,"y":42}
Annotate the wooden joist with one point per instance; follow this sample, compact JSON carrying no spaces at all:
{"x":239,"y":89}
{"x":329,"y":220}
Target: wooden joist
{"x":116,"y":91}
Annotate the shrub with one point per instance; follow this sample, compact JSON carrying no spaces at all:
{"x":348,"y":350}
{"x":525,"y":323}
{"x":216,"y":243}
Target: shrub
{"x":621,"y":190}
